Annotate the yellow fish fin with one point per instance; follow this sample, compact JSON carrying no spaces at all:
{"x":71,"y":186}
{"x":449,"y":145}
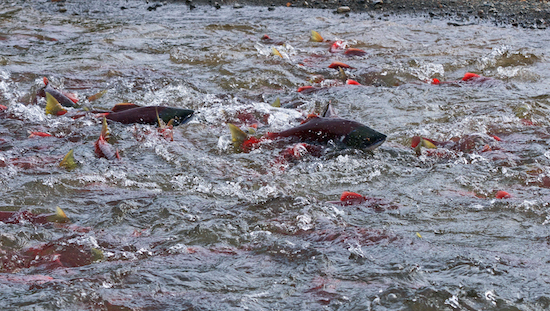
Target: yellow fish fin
{"x":53,"y":107}
{"x":59,"y":216}
{"x":105,"y":130}
{"x":97,"y":254}
{"x":238,"y":136}
{"x":68,"y":161}
{"x":428,"y":144}
{"x":343,"y":75}
{"x":97,"y":96}
{"x":277,"y":103}
{"x":316,"y":37}
{"x":276,"y":52}
{"x":161,"y":123}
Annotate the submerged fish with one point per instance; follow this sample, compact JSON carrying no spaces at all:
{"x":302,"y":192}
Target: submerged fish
{"x":468,"y":79}
{"x":354,"y":52}
{"x":21,"y":216}
{"x":337,"y":65}
{"x":351,"y":198}
{"x":318,"y":130}
{"x":475,"y":142}
{"x":66,"y":252}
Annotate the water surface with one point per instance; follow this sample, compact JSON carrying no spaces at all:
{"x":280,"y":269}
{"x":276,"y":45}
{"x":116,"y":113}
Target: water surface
{"x":190,"y":224}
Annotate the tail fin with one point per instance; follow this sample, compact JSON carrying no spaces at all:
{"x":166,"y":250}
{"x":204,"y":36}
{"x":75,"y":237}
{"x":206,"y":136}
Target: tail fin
{"x":316,"y":37}
{"x":277,"y":103}
{"x":97,"y":95}
{"x":68,"y":161}
{"x":276,"y":52}
{"x":238,"y":136}
{"x":59,"y":216}
{"x":342,"y":74}
{"x":105,"y":130}
{"x":53,"y":107}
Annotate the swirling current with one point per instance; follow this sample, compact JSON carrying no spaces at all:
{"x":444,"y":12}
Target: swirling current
{"x":188,"y":222}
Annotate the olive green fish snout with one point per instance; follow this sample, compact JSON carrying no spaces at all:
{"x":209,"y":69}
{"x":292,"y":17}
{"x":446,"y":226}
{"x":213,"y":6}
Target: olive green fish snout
{"x":364,"y":137}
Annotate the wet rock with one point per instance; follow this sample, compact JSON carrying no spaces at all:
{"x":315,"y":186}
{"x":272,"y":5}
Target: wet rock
{"x":377,"y":4}
{"x":154,"y":7}
{"x":237,"y":6}
{"x":343,"y":9}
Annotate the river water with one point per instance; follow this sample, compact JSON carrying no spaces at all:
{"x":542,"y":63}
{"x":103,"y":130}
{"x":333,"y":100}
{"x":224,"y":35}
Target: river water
{"x":192,"y":224}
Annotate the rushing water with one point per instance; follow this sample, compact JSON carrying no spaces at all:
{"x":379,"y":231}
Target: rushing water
{"x":190,"y":224}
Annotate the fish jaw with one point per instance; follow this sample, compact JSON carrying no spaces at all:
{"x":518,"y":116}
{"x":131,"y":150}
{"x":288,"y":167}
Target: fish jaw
{"x":179,"y":115}
{"x":363,"y":137}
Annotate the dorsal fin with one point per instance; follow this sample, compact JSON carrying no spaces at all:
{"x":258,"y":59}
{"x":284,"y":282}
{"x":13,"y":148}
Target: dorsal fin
{"x":123,"y":106}
{"x":329,"y":112}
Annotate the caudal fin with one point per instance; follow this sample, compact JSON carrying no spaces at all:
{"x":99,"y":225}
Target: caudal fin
{"x":53,"y":107}
{"x":277,"y":103}
{"x":68,"y":161}
{"x":276,"y":52}
{"x":238,"y":136}
{"x":316,"y":37}
{"x":59,"y":216}
{"x":105,"y":130}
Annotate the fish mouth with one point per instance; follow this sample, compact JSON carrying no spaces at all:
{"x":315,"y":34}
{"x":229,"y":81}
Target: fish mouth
{"x":376,"y":144}
{"x":364,"y":138}
{"x":179,"y":120}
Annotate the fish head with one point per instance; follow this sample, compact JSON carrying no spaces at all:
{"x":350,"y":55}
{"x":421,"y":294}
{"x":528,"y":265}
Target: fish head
{"x":179,"y":115}
{"x":363,"y":137}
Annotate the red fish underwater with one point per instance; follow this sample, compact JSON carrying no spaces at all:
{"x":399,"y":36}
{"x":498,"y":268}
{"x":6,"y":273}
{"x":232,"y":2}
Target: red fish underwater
{"x":352,"y":198}
{"x":65,"y":252}
{"x":32,"y":162}
{"x":25,"y":216}
{"x":468,"y":79}
{"x":337,"y":46}
{"x":467,"y":143}
{"x":317,"y":130}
